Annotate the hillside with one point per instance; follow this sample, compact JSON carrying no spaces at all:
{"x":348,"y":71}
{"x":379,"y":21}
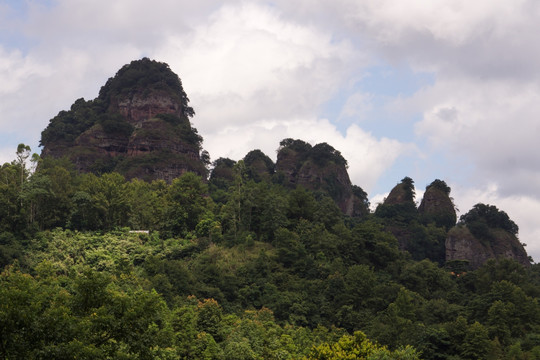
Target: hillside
{"x":117,"y":244}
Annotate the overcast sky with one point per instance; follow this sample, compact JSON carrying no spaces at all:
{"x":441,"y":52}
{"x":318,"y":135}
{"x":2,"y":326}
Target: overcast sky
{"x":439,"y":89}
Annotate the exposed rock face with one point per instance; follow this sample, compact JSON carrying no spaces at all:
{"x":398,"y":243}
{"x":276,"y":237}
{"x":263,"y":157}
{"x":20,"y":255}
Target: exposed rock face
{"x":318,"y":168}
{"x":138,"y":126}
{"x":140,"y":107}
{"x":289,"y":161}
{"x":332,"y":178}
{"x":435,"y":201}
{"x":399,"y":195}
{"x":436,"y":206}
{"x":462,"y":245}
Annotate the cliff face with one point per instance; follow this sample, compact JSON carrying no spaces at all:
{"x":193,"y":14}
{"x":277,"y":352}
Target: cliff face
{"x":399,"y":195}
{"x":138,"y":107}
{"x":138,"y":126}
{"x":461,"y":244}
{"x":483,"y":233}
{"x":332,"y":178}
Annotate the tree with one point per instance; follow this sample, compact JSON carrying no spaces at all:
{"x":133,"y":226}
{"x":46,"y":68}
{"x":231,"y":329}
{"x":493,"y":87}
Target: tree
{"x":146,"y":204}
{"x":358,"y":347}
{"x":476,"y":343}
{"x":11,"y":218}
{"x":101,"y":202}
{"x":482,"y":217}
{"x":187,"y":201}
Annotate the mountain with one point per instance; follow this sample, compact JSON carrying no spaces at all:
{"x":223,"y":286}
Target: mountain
{"x":138,"y":126}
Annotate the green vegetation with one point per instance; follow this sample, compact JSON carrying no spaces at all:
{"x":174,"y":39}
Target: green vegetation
{"x":68,"y":125}
{"x":320,"y":154}
{"x":241,"y":267}
{"x":246,"y":265}
{"x":481,"y":218}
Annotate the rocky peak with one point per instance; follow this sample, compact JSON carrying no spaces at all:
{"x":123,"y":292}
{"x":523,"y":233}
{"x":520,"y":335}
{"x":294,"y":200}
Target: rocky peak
{"x":398,"y":210}
{"x":402,"y":193}
{"x":462,"y":245}
{"x":139,"y":107}
{"x":143,"y":89}
{"x":138,"y":125}
{"x":290,"y":157}
{"x":437,"y":206}
{"x":318,"y":168}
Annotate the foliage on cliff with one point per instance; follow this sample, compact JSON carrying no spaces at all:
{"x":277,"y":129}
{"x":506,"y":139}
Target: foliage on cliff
{"x":145,"y":75}
{"x":481,"y":218}
{"x":421,"y":231}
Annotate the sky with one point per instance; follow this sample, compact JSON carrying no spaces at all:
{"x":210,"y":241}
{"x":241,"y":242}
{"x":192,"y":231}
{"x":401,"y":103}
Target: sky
{"x":439,"y":89}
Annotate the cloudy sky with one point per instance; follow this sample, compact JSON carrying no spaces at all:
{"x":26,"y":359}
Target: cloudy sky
{"x":439,"y":89}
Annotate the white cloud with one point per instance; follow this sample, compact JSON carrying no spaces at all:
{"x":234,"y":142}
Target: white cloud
{"x":15,"y":70}
{"x":357,"y":106}
{"x":7,"y":155}
{"x":492,"y":124}
{"x":452,"y":21}
{"x":256,"y":78}
{"x":248,"y":64}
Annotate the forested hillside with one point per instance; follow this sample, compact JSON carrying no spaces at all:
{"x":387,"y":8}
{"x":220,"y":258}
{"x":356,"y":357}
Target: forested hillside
{"x":122,"y":241}
{"x":243,"y":266}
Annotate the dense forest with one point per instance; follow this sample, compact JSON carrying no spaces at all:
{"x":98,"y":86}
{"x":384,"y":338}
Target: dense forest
{"x":241,"y":267}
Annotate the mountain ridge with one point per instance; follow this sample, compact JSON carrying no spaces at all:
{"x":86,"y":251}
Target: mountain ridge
{"x":139,"y":126}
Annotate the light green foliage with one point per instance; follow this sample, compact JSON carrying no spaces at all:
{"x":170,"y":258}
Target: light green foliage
{"x":88,"y":317}
{"x":70,"y":252}
{"x":358,"y":347}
